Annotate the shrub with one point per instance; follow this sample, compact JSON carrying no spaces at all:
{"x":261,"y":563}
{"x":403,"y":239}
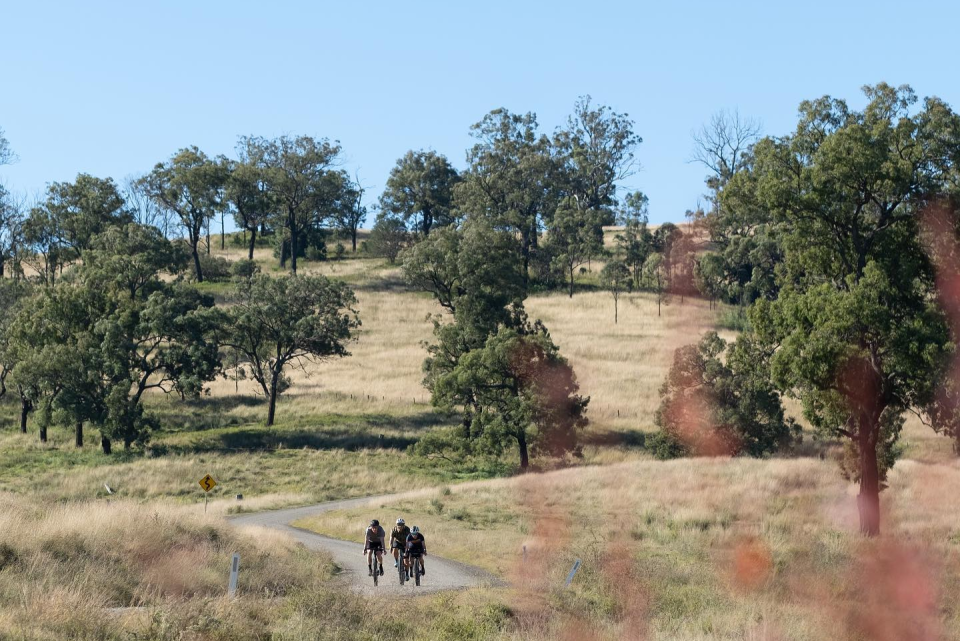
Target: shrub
{"x":718,"y":400}
{"x":245,"y":268}
{"x":215,"y":268}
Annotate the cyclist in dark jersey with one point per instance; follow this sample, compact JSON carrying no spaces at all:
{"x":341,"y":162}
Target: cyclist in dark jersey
{"x":416,"y":546}
{"x":373,"y":541}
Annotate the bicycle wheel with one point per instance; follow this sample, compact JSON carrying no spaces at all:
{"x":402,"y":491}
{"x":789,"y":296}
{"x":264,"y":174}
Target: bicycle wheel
{"x":376,"y":570}
{"x":416,"y":569}
{"x":401,"y":570}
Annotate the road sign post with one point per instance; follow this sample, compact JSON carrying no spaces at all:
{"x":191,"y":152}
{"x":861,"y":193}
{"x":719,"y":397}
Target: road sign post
{"x":234,"y":575}
{"x":207,"y":483}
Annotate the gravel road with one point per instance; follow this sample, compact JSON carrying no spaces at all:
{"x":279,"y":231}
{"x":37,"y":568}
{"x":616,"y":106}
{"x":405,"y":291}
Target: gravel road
{"x":442,"y":574}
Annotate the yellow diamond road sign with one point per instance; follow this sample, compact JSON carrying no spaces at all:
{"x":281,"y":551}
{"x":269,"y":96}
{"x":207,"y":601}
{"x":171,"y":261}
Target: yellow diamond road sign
{"x":207,"y":483}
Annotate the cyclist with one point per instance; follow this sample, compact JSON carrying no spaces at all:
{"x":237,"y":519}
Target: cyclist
{"x":398,"y":540}
{"x":373,"y":542}
{"x":416,"y":547}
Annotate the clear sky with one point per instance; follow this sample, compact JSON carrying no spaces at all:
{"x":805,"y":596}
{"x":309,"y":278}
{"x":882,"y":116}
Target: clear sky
{"x":112,"y":88}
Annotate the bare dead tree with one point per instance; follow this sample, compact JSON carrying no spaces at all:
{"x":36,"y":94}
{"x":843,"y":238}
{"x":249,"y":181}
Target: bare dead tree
{"x":144,"y":209}
{"x":722,"y":145}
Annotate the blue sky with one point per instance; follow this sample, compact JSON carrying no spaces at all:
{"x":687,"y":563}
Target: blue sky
{"x":112,"y":88}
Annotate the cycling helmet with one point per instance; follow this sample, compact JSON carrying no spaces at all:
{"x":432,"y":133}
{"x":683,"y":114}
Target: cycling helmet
{"x":416,"y":529}
{"x":374,"y":523}
{"x":399,"y":521}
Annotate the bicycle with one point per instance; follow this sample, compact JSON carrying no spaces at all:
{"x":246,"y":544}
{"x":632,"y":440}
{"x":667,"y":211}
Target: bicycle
{"x":416,"y":567}
{"x":377,"y":567}
{"x":402,"y":569}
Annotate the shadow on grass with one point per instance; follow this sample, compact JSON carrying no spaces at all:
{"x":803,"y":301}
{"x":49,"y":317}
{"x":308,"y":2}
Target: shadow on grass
{"x":629,"y":439}
{"x":262,"y":438}
{"x":336,"y":431}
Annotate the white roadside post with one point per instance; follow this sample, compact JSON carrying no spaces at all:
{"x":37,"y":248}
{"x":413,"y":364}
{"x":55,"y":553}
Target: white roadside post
{"x":234,"y":575}
{"x":573,"y":570}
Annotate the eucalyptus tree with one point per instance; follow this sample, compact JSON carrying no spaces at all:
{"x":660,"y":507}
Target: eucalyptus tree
{"x":74,"y":213}
{"x":616,"y":277}
{"x":576,"y":235}
{"x":300,"y":174}
{"x":510,"y":178}
{"x":514,"y":391}
{"x":248,"y":196}
{"x":420,"y":190}
{"x":656,"y":276}
{"x":859,"y":336}
{"x":596,"y":152}
{"x":388,"y":238}
{"x":90,"y":347}
{"x":289,"y":320}
{"x":189,"y":186}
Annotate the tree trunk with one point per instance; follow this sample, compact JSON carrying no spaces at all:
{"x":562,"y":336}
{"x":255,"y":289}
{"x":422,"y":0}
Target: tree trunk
{"x":294,"y":237}
{"x":524,"y":455}
{"x":525,"y":253}
{"x":223,"y":234}
{"x":43,"y":432}
{"x":127,"y":442}
{"x":353,"y":239}
{"x":272,"y":408}
{"x":24,"y":411}
{"x":106,"y":445}
{"x":658,"y":303}
{"x":1,"y":268}
{"x":253,"y":241}
{"x":571,"y":280}
{"x":616,"y":311}
{"x":868,"y":501}
{"x":78,"y":432}
{"x":196,"y":261}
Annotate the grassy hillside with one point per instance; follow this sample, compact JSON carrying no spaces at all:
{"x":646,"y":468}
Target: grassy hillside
{"x":694,"y":549}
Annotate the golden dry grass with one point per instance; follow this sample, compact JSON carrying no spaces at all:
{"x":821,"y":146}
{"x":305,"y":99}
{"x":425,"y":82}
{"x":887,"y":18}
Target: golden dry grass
{"x":61,"y":566}
{"x":703,"y":548}
{"x":621,"y":366}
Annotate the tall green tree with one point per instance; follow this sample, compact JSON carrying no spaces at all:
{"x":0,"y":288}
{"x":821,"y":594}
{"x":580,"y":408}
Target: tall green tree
{"x":510,"y":180}
{"x":189,"y":186}
{"x":860,"y":338}
{"x":74,"y":213}
{"x":595,"y":152}
{"x":635,"y":242}
{"x":247,"y":195}
{"x":515,"y":391}
{"x":576,"y":235}
{"x":420,"y":191}
{"x":301,"y":175}
{"x":352,"y":212}
{"x":291,"y":320}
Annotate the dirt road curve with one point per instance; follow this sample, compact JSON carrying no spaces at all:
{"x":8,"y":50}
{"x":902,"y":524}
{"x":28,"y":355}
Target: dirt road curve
{"x":442,"y":574}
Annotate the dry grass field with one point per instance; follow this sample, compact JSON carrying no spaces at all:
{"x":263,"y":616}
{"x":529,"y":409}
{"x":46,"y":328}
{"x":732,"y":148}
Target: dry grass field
{"x":690,"y":549}
{"x":702,"y":549}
